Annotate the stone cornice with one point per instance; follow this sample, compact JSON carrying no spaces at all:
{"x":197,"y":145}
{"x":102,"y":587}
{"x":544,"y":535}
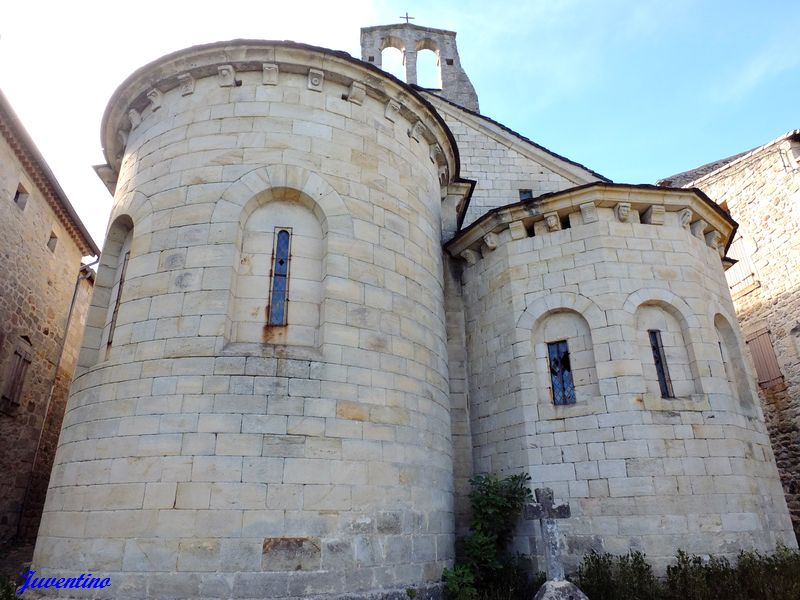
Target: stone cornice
{"x":705,"y":219}
{"x":143,"y":90}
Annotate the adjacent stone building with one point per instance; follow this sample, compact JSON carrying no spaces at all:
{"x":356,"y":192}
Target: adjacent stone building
{"x":760,"y":188}
{"x":327,"y":298}
{"x":44,"y":296}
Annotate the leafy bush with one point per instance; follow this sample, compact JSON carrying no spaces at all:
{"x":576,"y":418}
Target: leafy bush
{"x":485,"y":570}
{"x":628,"y":577}
{"x":754,"y":576}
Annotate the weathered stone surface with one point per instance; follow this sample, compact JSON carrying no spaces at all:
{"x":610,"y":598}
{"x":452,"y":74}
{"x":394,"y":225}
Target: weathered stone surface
{"x":36,"y":288}
{"x":760,"y":189}
{"x":559,"y":590}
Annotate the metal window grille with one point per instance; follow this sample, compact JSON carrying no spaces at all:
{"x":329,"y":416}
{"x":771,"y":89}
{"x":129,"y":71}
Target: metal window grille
{"x":12,"y":391}
{"x":764,"y":359}
{"x":279,"y":293}
{"x":664,"y":382}
{"x":561,"y":373}
{"x":525,"y":195}
{"x":123,"y":268}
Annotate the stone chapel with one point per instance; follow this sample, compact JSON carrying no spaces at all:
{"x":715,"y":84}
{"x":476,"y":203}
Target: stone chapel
{"x":327,"y":298}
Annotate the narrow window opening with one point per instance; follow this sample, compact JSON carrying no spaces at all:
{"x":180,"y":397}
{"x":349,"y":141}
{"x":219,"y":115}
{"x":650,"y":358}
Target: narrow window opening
{"x":21,"y":197}
{"x":525,"y":195}
{"x":279,"y":290}
{"x":120,"y":285}
{"x":764,"y":358}
{"x":664,"y":382}
{"x":52,"y":241}
{"x":20,"y":361}
{"x":449,"y":62}
{"x":565,"y":222}
{"x":561,"y":373}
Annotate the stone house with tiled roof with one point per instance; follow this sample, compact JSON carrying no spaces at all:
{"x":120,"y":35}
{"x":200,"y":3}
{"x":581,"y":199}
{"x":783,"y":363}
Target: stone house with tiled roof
{"x":44,"y":295}
{"x":760,"y":189}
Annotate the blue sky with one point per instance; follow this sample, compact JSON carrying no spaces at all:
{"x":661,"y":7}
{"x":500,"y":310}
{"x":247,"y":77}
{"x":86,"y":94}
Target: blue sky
{"x":636,"y":90}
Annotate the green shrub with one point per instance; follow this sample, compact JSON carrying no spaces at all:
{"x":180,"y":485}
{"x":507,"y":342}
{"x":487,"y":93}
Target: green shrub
{"x":484,"y":569}
{"x":754,"y":576}
{"x":460,"y":583}
{"x":627,"y":577}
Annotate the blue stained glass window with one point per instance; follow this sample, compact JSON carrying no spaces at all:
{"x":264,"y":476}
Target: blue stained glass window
{"x":561,"y":373}
{"x":280,"y":279}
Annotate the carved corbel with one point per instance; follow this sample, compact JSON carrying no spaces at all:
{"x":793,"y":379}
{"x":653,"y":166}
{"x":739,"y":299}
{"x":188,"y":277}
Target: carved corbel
{"x":437,"y":154}
{"x":491,"y":240}
{"x":470,"y":256}
{"x":698,"y":229}
{"x":357,"y":93}
{"x":714,"y":241}
{"x":517,"y":230}
{"x":156,"y":98}
{"x":315,"y":80}
{"x":135,"y":118}
{"x":552,"y":221}
{"x":186,"y":82}
{"x":226,"y":75}
{"x":392,"y":110}
{"x":417,"y":132}
{"x":623,"y":211}
{"x":589,"y":213}
{"x":685,"y":218}
{"x":654,"y":215}
{"x":269,"y":74}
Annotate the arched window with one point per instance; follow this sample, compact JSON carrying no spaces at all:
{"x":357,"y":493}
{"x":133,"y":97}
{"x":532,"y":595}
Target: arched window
{"x":666,"y":363}
{"x":565,"y":361}
{"x":116,"y":293}
{"x":429,"y":75}
{"x":107,"y":295}
{"x":392,"y":62}
{"x":279,"y":293}
{"x":732,"y":362}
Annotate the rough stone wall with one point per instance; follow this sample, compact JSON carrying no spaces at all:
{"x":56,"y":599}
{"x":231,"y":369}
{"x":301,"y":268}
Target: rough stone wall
{"x":199,"y":465}
{"x":762,"y":192}
{"x":55,"y":414}
{"x":695,"y":472}
{"x":36,"y":287}
{"x":503,"y":164}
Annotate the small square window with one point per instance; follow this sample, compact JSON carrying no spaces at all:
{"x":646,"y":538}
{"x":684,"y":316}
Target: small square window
{"x":525,"y":195}
{"x":371,"y":59}
{"x":21,"y":197}
{"x":52,"y":241}
{"x":449,"y":62}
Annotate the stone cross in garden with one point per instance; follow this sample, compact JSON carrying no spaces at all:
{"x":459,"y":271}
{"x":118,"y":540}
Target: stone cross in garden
{"x":547,"y":512}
